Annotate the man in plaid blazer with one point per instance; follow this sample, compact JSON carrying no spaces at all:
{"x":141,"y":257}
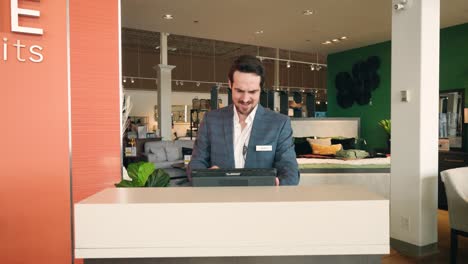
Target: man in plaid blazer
{"x":245,"y":134}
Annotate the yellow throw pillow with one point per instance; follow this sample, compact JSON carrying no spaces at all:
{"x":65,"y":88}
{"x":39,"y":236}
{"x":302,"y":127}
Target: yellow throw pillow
{"x":325,"y":150}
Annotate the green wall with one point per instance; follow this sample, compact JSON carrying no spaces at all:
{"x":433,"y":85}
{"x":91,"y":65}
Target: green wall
{"x":453,"y":75}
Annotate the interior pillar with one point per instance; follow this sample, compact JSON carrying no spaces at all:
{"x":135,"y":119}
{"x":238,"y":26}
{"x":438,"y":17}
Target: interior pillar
{"x":414,"y":168}
{"x":165,"y":100}
{"x":164,"y":91}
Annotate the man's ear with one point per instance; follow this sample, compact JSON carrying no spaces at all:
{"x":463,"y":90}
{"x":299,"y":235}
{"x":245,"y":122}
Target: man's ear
{"x":230,"y":84}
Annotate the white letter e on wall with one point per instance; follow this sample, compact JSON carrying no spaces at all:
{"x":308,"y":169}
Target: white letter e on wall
{"x":16,"y":12}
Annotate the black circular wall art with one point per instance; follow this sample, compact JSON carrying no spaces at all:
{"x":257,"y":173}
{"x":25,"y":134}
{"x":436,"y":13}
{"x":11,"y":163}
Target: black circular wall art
{"x":344,"y":87}
{"x":358,"y":87}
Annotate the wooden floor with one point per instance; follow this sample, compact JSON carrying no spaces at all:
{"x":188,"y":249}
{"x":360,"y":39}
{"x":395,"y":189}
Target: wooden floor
{"x":444,"y":247}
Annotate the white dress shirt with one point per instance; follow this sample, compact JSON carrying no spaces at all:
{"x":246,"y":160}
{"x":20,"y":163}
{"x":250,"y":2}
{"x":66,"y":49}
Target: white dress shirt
{"x":241,"y":137}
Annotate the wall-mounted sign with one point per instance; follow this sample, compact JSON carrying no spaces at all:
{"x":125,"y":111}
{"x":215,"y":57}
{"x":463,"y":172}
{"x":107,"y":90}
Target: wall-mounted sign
{"x":35,"y":51}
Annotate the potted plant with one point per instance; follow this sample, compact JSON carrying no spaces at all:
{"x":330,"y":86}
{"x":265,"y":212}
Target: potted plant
{"x":386,"y":124}
{"x":144,"y":174}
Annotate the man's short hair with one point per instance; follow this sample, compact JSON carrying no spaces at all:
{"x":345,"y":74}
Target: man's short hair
{"x":248,"y":64}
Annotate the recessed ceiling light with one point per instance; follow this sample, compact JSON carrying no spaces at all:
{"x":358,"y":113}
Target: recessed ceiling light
{"x":168,"y":16}
{"x":308,"y":40}
{"x":168,"y":48}
{"x":343,"y":38}
{"x":259,"y":32}
{"x":307,"y":12}
{"x":335,"y":40}
{"x":196,"y":21}
{"x":326,"y":42}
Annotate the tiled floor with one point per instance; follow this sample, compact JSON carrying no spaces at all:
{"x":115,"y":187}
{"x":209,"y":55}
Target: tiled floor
{"x":444,"y":247}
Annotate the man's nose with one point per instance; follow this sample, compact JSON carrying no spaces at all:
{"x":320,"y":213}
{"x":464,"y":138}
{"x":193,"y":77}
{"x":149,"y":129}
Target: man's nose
{"x":244,"y":98}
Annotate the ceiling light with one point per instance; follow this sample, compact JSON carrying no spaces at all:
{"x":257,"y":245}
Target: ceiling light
{"x":181,"y":83}
{"x":288,"y":64}
{"x":312,"y":67}
{"x":168,"y":48}
{"x":318,"y":102}
{"x":344,"y":37}
{"x":132,"y":80}
{"x":335,"y":40}
{"x":198,"y":84}
{"x":307,"y":12}
{"x":125,"y":80}
{"x":319,"y":67}
{"x":168,"y":16}
{"x":326,"y":42}
{"x":177,"y":83}
{"x":259,"y":32}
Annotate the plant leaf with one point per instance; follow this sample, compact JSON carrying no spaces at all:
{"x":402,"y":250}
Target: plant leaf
{"x":144,"y":171}
{"x":125,"y":183}
{"x":159,"y":178}
{"x":132,"y":170}
{"x":139,"y":172}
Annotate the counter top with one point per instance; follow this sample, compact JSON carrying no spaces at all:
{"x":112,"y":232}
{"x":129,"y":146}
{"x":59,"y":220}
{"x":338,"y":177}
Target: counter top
{"x":231,"y":194}
{"x":231,"y":221}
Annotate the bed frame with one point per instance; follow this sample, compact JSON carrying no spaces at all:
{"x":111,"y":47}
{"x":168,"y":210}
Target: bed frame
{"x":326,"y":127}
{"x":375,"y":180}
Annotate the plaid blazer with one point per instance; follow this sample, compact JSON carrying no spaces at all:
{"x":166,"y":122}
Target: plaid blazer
{"x":214,"y":143}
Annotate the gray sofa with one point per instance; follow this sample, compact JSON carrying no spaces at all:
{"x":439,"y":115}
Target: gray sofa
{"x":166,"y":153}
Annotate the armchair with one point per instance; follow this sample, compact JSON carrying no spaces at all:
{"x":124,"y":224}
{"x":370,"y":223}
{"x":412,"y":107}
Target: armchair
{"x":456,"y":187}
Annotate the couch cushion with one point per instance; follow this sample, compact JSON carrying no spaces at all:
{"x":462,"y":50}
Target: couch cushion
{"x":173,"y":152}
{"x":166,"y":164}
{"x":158,"y":154}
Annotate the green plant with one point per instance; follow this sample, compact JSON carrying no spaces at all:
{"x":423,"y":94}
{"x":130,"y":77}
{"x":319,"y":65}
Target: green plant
{"x":386,"y":124}
{"x":144,"y":174}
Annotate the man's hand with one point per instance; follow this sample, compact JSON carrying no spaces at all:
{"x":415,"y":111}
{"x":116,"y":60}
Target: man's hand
{"x":276,"y":181}
{"x":214,"y":167}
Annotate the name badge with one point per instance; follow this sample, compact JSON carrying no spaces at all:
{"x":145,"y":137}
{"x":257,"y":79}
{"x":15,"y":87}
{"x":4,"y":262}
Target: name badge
{"x":264,"y":148}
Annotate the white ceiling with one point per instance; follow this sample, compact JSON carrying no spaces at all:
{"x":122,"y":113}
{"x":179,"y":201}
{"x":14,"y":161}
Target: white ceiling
{"x":364,"y":22}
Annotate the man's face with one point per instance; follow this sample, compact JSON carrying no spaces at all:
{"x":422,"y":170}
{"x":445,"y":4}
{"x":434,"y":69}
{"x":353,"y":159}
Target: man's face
{"x":245,"y":91}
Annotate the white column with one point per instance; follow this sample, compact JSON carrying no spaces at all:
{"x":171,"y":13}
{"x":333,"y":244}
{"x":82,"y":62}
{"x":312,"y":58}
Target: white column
{"x":415,"y":69}
{"x":165,"y":100}
{"x":276,"y":99}
{"x":164,"y":91}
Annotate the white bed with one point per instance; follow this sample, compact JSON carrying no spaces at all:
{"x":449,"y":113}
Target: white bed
{"x":374,"y":174}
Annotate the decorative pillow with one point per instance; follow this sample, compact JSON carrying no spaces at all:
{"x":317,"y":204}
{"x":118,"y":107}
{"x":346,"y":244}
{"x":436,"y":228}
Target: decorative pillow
{"x":186,"y":151}
{"x":347,"y":143}
{"x":320,"y":141}
{"x":325,"y":150}
{"x":301,"y":146}
{"x":352,"y":154}
{"x":173,"y":153}
{"x":159,"y":154}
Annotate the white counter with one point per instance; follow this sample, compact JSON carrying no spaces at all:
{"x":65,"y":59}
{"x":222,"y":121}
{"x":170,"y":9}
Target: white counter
{"x":231,"y":221}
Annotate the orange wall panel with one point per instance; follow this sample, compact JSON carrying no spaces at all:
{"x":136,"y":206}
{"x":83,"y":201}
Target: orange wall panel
{"x":95,"y":84}
{"x":35,"y":202}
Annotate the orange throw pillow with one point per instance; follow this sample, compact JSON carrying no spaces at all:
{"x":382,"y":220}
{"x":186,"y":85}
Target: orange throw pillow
{"x":325,"y":150}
